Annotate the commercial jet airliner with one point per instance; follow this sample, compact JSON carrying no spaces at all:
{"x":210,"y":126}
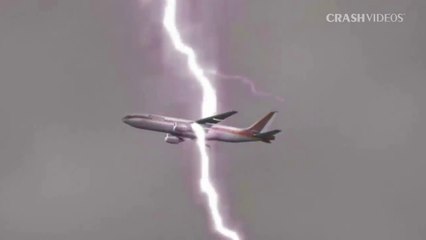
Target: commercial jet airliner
{"x":177,"y":130}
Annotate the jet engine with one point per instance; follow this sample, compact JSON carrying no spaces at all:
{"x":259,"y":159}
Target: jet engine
{"x":172,"y":139}
{"x":181,"y":127}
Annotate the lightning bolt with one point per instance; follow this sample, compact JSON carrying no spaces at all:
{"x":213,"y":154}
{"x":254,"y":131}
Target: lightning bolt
{"x":208,"y":108}
{"x":209,"y":103}
{"x":254,"y":90}
{"x":208,"y":188}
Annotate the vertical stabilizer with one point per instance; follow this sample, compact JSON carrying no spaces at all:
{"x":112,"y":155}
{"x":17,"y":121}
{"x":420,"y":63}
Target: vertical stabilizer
{"x":262,"y":124}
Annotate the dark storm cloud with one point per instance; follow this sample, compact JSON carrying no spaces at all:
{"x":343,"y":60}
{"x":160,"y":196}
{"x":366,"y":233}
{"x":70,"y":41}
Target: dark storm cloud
{"x":348,"y":165}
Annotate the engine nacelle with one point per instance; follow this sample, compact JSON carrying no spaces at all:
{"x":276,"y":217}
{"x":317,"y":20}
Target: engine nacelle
{"x":181,"y":127}
{"x":172,"y":139}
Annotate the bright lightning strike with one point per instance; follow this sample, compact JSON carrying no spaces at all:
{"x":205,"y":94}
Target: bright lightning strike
{"x":209,"y":107}
{"x":208,"y":188}
{"x":209,"y":104}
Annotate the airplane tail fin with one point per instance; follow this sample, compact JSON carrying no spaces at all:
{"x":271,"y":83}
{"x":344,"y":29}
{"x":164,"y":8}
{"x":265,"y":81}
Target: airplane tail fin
{"x":267,"y":137}
{"x":263,"y":123}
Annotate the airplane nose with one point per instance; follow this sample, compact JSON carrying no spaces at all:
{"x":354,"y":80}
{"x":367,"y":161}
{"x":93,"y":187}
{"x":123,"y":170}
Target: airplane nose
{"x":125,"y":119}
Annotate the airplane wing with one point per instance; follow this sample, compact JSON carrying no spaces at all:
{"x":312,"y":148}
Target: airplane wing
{"x":216,"y":118}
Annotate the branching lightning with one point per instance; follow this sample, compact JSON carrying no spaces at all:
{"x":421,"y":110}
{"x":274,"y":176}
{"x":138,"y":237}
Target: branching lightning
{"x":254,"y":90}
{"x":208,"y":108}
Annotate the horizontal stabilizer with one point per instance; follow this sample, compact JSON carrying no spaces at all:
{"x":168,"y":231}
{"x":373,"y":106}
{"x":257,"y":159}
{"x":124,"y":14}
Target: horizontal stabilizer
{"x":268,"y":135}
{"x":216,"y":118}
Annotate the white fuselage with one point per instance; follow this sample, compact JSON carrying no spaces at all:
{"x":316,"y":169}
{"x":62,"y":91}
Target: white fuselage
{"x":182,"y":128}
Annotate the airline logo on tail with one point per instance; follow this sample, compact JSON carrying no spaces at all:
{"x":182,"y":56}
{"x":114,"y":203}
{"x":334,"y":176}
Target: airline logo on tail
{"x":256,"y":129}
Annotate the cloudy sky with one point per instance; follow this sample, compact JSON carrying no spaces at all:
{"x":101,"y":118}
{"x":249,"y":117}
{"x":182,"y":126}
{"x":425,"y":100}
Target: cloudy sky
{"x":349,"y":164}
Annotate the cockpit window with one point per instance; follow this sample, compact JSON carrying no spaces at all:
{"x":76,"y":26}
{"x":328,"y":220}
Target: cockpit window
{"x":146,"y":116}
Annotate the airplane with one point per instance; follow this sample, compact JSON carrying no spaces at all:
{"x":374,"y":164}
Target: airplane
{"x":177,"y":130}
